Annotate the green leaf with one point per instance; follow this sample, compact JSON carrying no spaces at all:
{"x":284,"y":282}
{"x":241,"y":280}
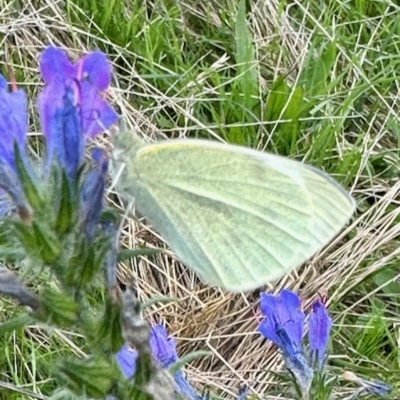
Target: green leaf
{"x":25,"y":235}
{"x":58,"y":308}
{"x":174,"y":368}
{"x":136,"y":394}
{"x":64,"y":220}
{"x":236,"y":135}
{"x":245,"y":57}
{"x":277,"y":99}
{"x":384,"y":276}
{"x":144,"y":368}
{"x":49,"y":245}
{"x":295,"y":106}
{"x":92,"y":377}
{"x":127,"y":254}
{"x":64,"y":394}
{"x":108,"y":335}
{"x":15,"y":324}
{"x":82,"y":266}
{"x":317,"y":70}
{"x":30,"y":190}
{"x":243,"y":100}
{"x":287,"y":106}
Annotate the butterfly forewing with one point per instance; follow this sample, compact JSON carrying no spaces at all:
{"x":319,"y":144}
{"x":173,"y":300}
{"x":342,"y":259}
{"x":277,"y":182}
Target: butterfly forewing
{"x":240,"y":218}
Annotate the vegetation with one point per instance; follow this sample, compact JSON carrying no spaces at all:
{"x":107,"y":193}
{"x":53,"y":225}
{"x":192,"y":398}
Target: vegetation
{"x":312,"y":80}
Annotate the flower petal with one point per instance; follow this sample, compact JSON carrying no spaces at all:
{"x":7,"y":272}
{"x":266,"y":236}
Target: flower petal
{"x":377,"y":388}
{"x":268,"y":329}
{"x":164,"y":352}
{"x":10,"y":184}
{"x":162,"y":347}
{"x":64,"y":132}
{"x":87,"y":79}
{"x":126,"y":359}
{"x":5,"y":204}
{"x":319,"y":324}
{"x":374,"y":387}
{"x":282,"y":311}
{"x":97,"y":114}
{"x":96,"y":69}
{"x":13,"y":122}
{"x":55,"y":66}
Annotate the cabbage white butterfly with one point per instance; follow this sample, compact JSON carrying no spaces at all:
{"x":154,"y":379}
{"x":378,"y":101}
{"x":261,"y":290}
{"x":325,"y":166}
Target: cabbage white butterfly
{"x":239,"y":217}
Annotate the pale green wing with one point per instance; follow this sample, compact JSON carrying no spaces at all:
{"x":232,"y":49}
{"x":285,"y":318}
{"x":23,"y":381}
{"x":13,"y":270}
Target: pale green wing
{"x":240,"y":218}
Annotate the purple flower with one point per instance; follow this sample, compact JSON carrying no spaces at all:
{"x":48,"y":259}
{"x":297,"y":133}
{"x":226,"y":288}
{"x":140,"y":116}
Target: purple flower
{"x":164,"y":353}
{"x":377,"y":388}
{"x":373,"y":387}
{"x":66,"y":135}
{"x":284,"y":322}
{"x":162,"y":347}
{"x":126,"y":359}
{"x":71,"y":106}
{"x":319,"y":325}
{"x":13,"y":122}
{"x":91,"y":196}
{"x":13,"y":127}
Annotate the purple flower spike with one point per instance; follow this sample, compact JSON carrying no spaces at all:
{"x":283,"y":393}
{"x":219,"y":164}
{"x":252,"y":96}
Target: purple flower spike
{"x":319,"y":324}
{"x":13,"y":122}
{"x":162,"y":347}
{"x":13,"y":127}
{"x":164,"y":353}
{"x":65,"y":138}
{"x":82,"y":83}
{"x":282,"y":313}
{"x":284,"y":324}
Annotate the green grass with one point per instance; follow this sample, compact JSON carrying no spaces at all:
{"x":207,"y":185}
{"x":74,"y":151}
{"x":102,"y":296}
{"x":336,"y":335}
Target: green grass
{"x":314,"y":80}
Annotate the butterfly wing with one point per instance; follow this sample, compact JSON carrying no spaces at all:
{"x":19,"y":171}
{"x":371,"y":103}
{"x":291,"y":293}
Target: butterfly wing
{"x":239,"y":217}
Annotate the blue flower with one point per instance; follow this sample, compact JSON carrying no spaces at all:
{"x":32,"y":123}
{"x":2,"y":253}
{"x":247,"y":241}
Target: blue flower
{"x":319,"y":325}
{"x":91,"y":196}
{"x":377,"y":388}
{"x":284,"y":324}
{"x":66,"y":135}
{"x":373,"y":387}
{"x":164,"y":353}
{"x":13,"y":122}
{"x":13,"y":127}
{"x":126,"y":359}
{"x":71,"y":105}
